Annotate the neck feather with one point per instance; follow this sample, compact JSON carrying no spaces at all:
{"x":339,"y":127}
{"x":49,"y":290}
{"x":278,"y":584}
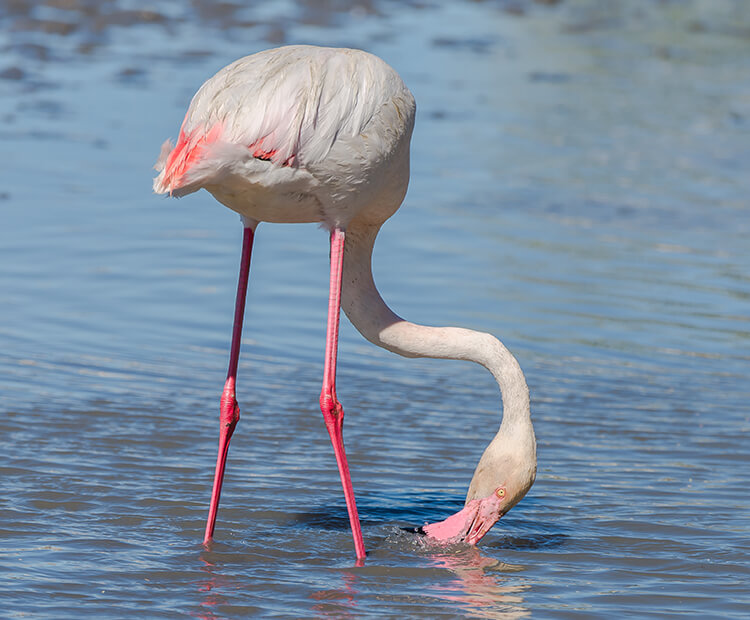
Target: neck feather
{"x":380,"y":325}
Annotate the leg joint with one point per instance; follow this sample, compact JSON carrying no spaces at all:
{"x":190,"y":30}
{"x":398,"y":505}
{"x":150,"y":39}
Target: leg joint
{"x":229,"y":410}
{"x":327,"y":402}
{"x":330,"y":405}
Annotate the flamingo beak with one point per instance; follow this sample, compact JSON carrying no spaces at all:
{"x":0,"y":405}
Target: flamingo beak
{"x":469,"y":524}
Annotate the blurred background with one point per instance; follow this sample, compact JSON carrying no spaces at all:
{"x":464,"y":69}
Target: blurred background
{"x":579,"y":189}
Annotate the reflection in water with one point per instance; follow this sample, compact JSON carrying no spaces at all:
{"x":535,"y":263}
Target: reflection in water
{"x":211,"y":588}
{"x":338,"y":602}
{"x":478,"y":584}
{"x":216,"y":590}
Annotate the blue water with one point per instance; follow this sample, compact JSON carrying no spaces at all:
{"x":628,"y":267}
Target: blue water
{"x":579,"y":188}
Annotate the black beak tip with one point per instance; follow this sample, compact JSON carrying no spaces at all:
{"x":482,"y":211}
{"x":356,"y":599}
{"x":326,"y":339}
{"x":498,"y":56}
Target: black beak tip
{"x":415,"y":530}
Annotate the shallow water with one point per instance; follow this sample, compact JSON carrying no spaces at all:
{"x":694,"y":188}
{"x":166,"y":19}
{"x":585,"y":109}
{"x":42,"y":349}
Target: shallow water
{"x":579,"y":188}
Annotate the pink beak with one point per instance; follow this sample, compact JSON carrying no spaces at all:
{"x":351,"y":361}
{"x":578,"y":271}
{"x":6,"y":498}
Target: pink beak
{"x":468,"y":525}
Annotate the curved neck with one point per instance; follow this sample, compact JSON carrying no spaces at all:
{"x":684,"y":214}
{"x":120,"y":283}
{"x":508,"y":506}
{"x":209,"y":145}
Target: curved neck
{"x":380,"y":325}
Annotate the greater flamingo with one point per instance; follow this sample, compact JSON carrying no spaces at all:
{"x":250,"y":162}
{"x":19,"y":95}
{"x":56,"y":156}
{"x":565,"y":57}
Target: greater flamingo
{"x":312,"y":134}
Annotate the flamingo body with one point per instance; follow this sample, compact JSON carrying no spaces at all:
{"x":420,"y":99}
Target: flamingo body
{"x":297,"y":134}
{"x":309,"y":134}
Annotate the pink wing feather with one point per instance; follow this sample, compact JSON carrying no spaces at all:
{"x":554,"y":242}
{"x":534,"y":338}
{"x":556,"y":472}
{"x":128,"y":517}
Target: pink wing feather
{"x":188,"y":151}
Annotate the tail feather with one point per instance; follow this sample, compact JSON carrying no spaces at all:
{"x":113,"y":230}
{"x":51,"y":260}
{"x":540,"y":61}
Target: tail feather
{"x":200,"y":156}
{"x":176,"y":162}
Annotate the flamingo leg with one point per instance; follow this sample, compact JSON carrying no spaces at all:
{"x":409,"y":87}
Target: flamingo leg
{"x":333,"y":412}
{"x":229,"y":409}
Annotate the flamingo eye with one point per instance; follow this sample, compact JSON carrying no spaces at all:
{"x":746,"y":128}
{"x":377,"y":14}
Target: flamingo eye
{"x":500,"y":493}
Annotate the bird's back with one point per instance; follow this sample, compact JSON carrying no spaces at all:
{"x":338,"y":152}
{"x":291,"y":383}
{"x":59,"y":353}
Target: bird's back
{"x":307,"y":116}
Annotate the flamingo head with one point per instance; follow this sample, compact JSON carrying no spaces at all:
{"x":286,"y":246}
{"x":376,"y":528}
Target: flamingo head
{"x":472,"y":522}
{"x":499,"y":483}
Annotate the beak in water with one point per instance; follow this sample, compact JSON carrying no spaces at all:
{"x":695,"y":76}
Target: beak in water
{"x":471,"y":523}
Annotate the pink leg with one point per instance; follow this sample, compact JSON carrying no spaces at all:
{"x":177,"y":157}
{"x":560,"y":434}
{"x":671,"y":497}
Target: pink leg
{"x":333,"y":412}
{"x":229,"y":409}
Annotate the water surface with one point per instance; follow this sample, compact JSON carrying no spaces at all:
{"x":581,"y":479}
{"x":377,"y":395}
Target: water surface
{"x":579,"y":188}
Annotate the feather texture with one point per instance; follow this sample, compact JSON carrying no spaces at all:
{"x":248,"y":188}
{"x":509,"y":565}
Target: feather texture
{"x":320,"y":110}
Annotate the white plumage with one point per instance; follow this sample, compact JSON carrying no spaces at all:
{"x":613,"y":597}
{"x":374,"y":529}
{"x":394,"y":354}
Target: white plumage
{"x":298,"y":133}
